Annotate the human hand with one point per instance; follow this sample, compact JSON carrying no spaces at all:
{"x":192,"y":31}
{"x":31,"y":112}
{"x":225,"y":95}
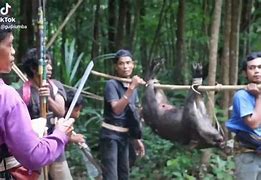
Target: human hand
{"x":77,"y":138}
{"x":44,"y":90}
{"x":253,"y":89}
{"x":136,"y":81}
{"x":65,"y":126}
{"x":139,"y":147}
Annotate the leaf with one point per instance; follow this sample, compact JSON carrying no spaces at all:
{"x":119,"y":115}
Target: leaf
{"x":76,"y":65}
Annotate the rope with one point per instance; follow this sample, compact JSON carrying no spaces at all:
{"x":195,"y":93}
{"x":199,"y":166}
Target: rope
{"x":219,"y":127}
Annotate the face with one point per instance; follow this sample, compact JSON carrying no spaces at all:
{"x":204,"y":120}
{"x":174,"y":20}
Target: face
{"x":124,"y":67}
{"x":49,"y":67}
{"x":76,"y":112}
{"x":7,"y":54}
{"x":253,"y":70}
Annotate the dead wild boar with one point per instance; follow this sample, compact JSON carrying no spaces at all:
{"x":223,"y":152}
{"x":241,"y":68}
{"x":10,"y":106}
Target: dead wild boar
{"x":188,"y":125}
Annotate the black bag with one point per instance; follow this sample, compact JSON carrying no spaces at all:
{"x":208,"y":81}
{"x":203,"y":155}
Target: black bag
{"x":134,"y":123}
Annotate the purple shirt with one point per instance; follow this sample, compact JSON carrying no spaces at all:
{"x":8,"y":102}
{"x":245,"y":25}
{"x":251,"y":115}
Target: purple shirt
{"x":17,"y":133}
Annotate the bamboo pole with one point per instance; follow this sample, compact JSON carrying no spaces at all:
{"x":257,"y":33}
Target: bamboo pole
{"x":85,"y":93}
{"x":218,"y":87}
{"x":63,"y":24}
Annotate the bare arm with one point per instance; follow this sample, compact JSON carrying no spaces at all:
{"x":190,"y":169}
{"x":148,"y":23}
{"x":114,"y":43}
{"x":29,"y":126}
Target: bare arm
{"x":57,"y":105}
{"x":118,"y":106}
{"x":254,"y":120}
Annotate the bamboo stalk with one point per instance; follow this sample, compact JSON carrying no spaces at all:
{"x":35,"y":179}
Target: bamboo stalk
{"x":85,"y":93}
{"x":19,"y":73}
{"x":218,"y":87}
{"x":63,"y":24}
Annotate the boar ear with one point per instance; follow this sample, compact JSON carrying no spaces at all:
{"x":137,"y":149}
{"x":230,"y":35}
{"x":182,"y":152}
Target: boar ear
{"x":197,"y":70}
{"x":155,"y":66}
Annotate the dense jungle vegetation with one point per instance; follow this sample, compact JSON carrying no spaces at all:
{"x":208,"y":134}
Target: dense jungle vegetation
{"x":219,"y":34}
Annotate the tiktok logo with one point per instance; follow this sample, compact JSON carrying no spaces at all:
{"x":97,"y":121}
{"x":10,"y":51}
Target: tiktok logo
{"x":5,"y":10}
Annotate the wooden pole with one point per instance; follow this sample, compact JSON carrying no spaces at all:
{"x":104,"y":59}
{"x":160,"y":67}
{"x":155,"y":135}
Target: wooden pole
{"x":218,"y":87}
{"x":84,"y":93}
{"x":63,"y":24}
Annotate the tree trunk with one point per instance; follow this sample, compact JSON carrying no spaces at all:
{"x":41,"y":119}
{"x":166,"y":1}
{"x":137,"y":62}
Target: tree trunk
{"x":245,"y":27}
{"x":212,"y":66}
{"x":26,"y":37}
{"x":112,"y":25}
{"x":213,"y":54}
{"x":156,"y":35}
{"x":144,"y":47}
{"x":128,"y":25}
{"x":95,"y":43}
{"x":234,"y":40}
{"x":181,"y":63}
{"x":136,"y":21}
{"x":225,"y":57}
{"x":121,"y":22}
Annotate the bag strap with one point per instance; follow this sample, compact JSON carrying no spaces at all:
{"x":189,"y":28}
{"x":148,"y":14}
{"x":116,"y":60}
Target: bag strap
{"x":54,"y":87}
{"x":27,"y":92}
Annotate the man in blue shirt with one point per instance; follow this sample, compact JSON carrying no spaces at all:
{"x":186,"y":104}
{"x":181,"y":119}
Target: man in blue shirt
{"x":114,"y":133}
{"x":246,"y":119}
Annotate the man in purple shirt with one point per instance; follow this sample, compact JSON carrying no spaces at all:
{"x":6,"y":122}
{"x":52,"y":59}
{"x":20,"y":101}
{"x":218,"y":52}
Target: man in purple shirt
{"x":16,"y":134}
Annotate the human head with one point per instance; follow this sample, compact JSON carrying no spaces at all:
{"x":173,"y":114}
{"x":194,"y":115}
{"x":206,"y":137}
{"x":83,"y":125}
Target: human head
{"x":6,"y":47}
{"x":252,"y":67}
{"x":124,"y":63}
{"x":30,"y":63}
{"x":78,"y":106}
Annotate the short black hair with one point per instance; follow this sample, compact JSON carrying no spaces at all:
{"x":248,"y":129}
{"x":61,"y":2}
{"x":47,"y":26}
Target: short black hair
{"x":5,"y":28}
{"x":122,"y":53}
{"x":250,"y":57}
{"x":70,"y":95}
{"x":30,"y":61}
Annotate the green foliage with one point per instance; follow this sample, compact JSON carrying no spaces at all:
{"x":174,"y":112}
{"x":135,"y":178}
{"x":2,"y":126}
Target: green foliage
{"x":164,"y":160}
{"x":70,"y":65}
{"x":223,"y":169}
{"x":88,"y":124}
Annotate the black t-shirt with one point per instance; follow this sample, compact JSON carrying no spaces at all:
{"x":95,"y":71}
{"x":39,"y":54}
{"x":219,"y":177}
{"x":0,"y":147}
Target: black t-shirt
{"x":114,"y":90}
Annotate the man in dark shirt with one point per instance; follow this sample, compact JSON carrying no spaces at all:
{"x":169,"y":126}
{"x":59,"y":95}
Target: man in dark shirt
{"x":54,"y":91}
{"x":114,"y":133}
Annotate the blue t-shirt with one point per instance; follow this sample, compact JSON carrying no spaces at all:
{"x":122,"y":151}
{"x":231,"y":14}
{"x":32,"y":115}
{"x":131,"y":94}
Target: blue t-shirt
{"x":114,"y":90}
{"x":243,"y":105}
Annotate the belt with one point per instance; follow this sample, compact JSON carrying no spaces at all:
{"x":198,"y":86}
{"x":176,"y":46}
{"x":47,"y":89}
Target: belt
{"x":239,"y":148}
{"x":114,"y":128}
{"x":243,"y":150}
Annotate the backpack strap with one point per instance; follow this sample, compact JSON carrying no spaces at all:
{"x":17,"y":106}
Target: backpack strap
{"x":54,"y":87}
{"x":27,"y":92}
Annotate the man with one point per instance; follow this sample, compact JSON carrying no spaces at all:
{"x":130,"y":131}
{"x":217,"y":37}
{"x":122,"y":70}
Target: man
{"x":114,"y":133}
{"x":246,"y":120}
{"x":17,"y":138}
{"x":56,"y":95}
